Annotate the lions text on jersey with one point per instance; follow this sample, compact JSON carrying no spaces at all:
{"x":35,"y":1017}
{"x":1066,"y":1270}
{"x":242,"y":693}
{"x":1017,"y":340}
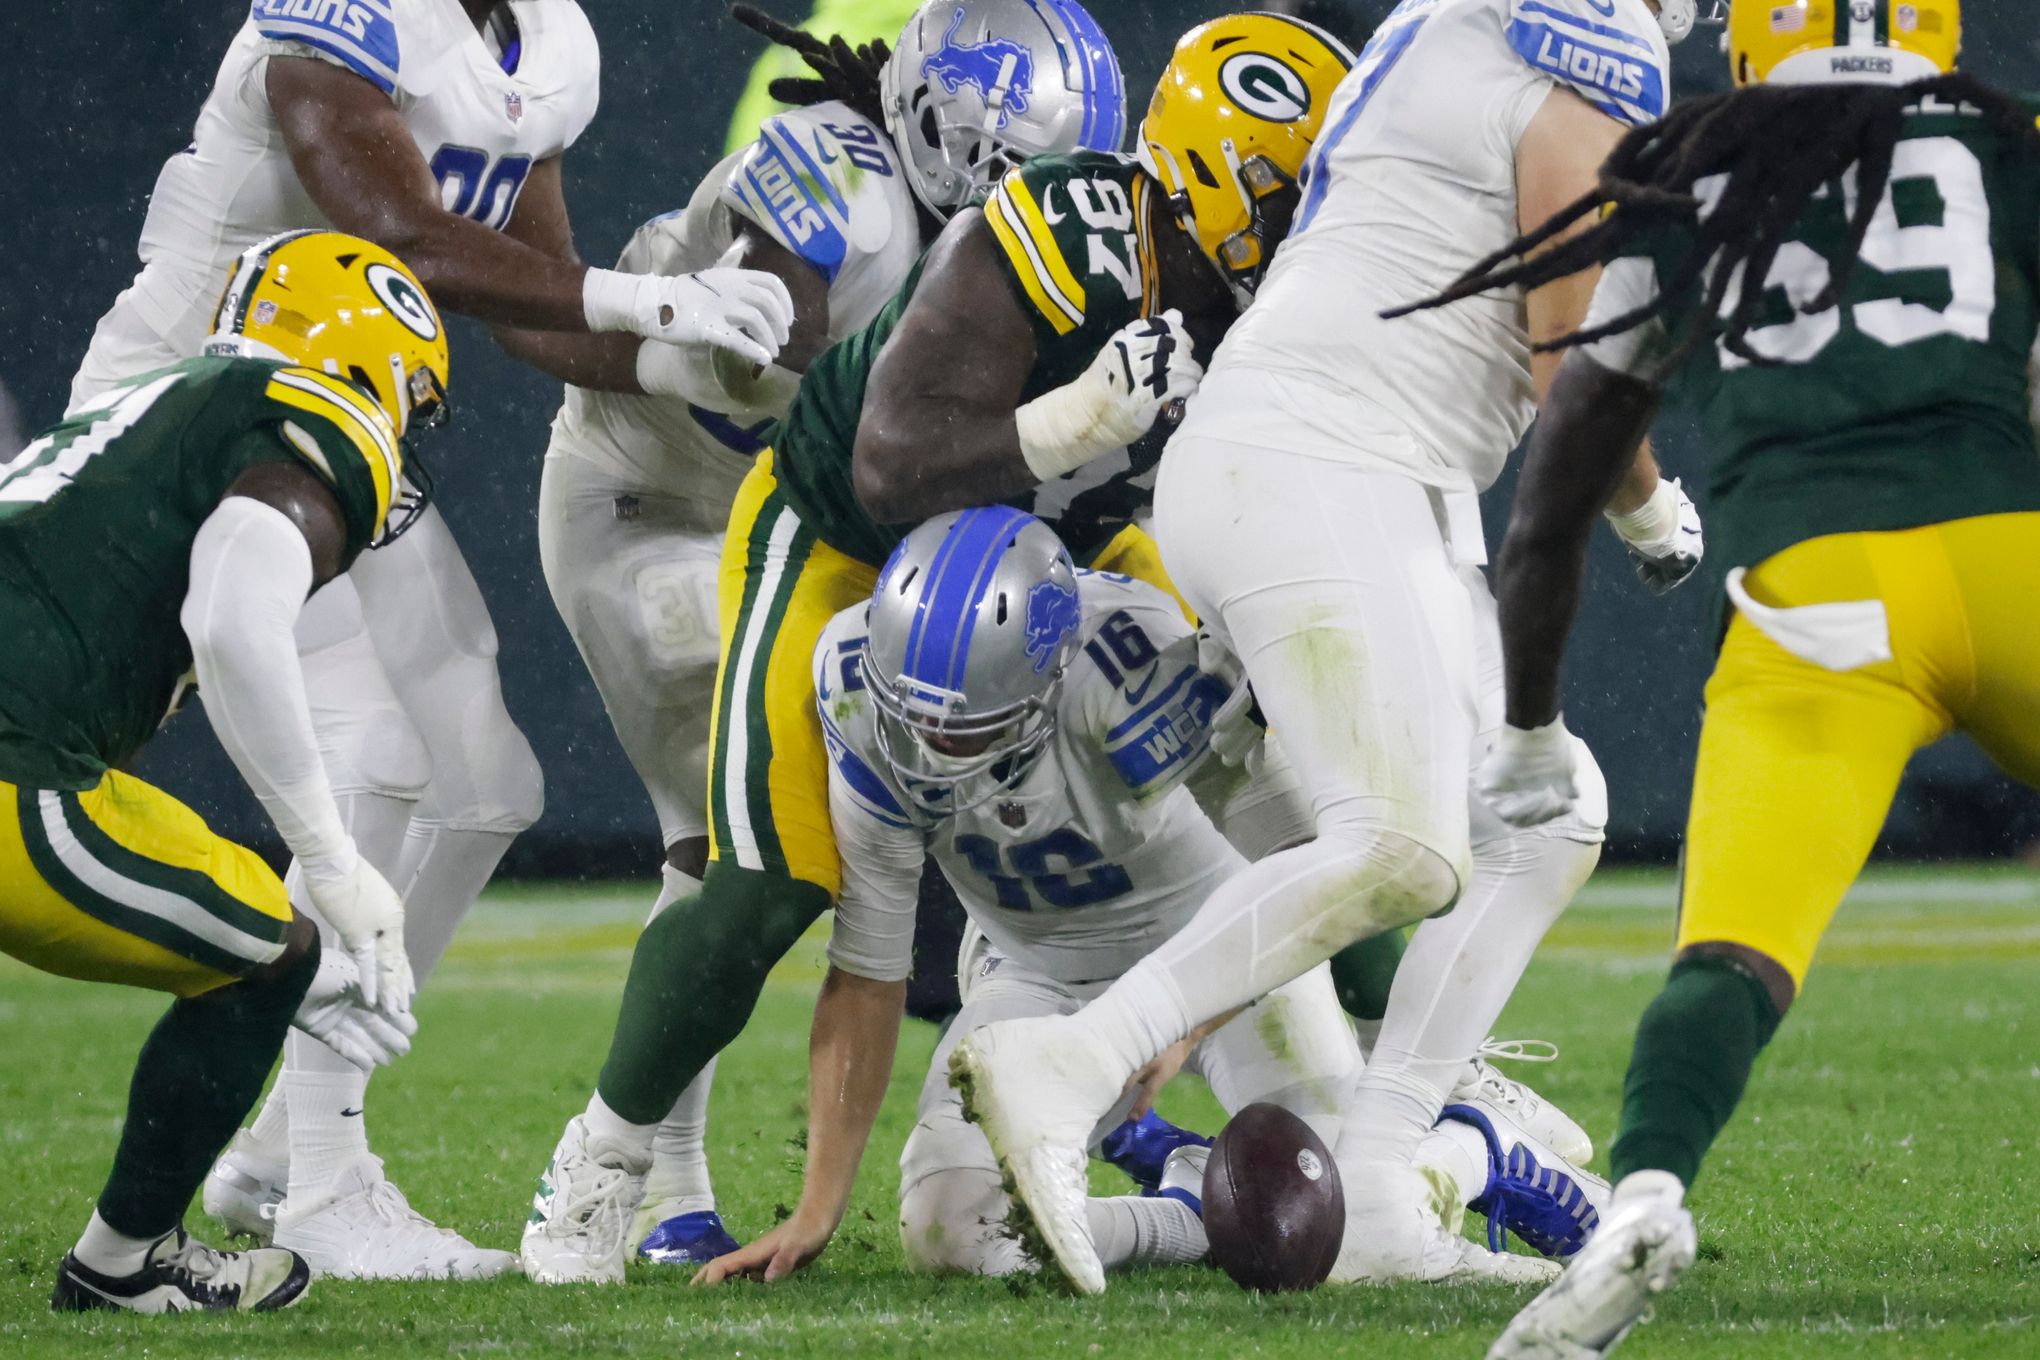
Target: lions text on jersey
{"x":1094,"y":857}
{"x":481,"y":121}
{"x":1413,"y":181}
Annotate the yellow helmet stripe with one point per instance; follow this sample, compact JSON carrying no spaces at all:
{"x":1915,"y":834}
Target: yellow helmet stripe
{"x":1024,"y":234}
{"x":1150,"y":272}
{"x":376,"y":455}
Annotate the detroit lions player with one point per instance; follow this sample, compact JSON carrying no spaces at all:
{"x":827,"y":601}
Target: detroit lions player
{"x":836,"y":198}
{"x":1040,"y":730}
{"x":1319,"y":508}
{"x":434,"y":128}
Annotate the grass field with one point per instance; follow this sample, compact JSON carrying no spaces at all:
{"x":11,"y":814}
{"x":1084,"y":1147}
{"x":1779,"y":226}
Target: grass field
{"x":1879,"y":1195}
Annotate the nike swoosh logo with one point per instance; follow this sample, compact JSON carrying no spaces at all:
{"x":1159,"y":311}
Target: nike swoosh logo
{"x":1048,"y":206}
{"x":822,"y":146}
{"x":354,"y":1113}
{"x":1134,"y":696}
{"x":1604,"y":8}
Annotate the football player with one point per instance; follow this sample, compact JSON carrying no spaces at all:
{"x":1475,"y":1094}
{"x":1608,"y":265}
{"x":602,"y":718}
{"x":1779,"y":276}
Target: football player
{"x":1862,"y":368}
{"x":1035,"y":726}
{"x":1049,"y":300}
{"x":1320,"y":508}
{"x":437,"y":130}
{"x":836,"y":198}
{"x":169,"y":531}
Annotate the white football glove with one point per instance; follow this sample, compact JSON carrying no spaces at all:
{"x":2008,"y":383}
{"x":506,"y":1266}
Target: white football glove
{"x":744,"y":310}
{"x":336,"y":1013}
{"x":1528,"y":777}
{"x":1236,"y":734}
{"x":368,"y":916}
{"x":1145,"y":367}
{"x":1663,"y":536}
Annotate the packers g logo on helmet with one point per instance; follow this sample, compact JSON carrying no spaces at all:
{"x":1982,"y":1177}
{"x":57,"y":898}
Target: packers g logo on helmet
{"x":407,"y":301}
{"x":1802,"y":42}
{"x":1232,"y":119}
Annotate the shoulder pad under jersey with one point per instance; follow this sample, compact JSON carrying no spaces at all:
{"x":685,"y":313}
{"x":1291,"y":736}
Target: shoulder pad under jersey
{"x":825,"y":183}
{"x":1072,"y":235}
{"x":1137,"y":679}
{"x":343,"y":436}
{"x":1611,"y":52}
{"x":360,"y":34}
{"x":846,"y":720}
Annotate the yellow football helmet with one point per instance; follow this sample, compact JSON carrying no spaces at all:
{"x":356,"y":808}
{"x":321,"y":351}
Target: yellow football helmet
{"x":1804,"y":42}
{"x":1226,"y":134}
{"x":338,"y":303}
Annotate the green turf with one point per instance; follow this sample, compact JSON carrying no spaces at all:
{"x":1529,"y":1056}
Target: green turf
{"x":1876,"y":1196}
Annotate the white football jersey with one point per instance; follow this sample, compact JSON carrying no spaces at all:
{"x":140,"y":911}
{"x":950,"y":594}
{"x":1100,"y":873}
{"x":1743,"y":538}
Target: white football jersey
{"x":480,"y":122}
{"x":1098,"y":855}
{"x":825,"y":183}
{"x":1411,"y":182}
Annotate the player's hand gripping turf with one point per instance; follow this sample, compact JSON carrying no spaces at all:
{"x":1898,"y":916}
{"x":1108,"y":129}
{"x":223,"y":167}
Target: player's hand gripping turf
{"x":746,"y":311}
{"x":1142,"y":369}
{"x":1528,"y":777}
{"x":776,"y":1255}
{"x":1663,"y":537}
{"x":336,"y":1013}
{"x":366,"y":913}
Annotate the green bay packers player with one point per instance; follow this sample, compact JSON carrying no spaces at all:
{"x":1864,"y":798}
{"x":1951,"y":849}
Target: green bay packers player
{"x":1040,"y":337}
{"x":168,"y":531}
{"x":1837,"y":265}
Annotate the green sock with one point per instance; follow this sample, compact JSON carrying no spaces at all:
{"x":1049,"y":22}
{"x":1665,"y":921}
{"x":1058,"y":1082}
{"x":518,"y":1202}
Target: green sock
{"x":694,"y":977}
{"x":1364,"y":972}
{"x":1694,"y":1050}
{"x":195,"y":1081}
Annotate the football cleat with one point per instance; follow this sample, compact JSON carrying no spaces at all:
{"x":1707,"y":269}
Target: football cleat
{"x":1502,"y":1098}
{"x":1551,"y":1205}
{"x":362,"y":1228}
{"x":687,"y":1240}
{"x":1641,"y":1250}
{"x":244,"y":1189}
{"x":1142,"y":1148}
{"x":1037,"y":1090}
{"x":579,"y":1229}
{"x":183,"y":1275}
{"x":1399,"y":1228}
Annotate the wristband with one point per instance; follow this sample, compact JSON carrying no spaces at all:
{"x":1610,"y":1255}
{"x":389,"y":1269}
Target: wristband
{"x":1060,"y":431}
{"x":1655,"y":523}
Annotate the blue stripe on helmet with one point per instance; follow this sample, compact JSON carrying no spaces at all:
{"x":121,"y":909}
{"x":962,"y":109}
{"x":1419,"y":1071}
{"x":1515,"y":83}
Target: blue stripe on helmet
{"x":939,"y":648}
{"x":1104,"y":126}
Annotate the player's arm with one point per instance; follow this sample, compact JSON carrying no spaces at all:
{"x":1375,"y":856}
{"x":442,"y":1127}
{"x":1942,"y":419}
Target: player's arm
{"x":856,"y":1026}
{"x":943,"y":426}
{"x":358,"y":163}
{"x":1558,"y":159}
{"x":275,"y":537}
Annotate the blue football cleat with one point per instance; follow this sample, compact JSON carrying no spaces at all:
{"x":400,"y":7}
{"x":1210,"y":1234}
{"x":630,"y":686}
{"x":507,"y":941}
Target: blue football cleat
{"x":1141,"y":1147}
{"x":687,"y":1240}
{"x":1546,"y":1205}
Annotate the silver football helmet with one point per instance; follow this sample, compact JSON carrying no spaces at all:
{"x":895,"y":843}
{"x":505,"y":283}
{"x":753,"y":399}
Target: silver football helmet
{"x":974,"y":87}
{"x":972,"y":625}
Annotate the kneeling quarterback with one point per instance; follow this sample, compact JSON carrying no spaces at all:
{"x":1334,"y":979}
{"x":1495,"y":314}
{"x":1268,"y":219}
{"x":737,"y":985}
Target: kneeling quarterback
{"x":170,"y":530}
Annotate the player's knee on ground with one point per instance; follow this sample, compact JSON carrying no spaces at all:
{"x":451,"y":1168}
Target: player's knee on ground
{"x":950,"y":1224}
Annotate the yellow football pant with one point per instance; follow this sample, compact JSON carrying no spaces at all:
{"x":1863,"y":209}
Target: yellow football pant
{"x":1798,"y":764}
{"x":768,"y":771}
{"x":123,"y":883}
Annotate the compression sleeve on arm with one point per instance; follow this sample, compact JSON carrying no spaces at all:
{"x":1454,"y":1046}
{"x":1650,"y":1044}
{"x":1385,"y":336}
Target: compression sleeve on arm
{"x":874,"y":931}
{"x":251,"y":570}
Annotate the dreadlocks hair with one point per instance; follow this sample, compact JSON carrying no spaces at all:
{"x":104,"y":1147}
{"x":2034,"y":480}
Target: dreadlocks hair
{"x":1778,"y":147}
{"x":842,"y":73}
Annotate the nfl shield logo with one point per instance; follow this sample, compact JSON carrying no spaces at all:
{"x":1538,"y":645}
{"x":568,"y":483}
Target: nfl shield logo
{"x":1013,"y":816}
{"x":513,"y":104}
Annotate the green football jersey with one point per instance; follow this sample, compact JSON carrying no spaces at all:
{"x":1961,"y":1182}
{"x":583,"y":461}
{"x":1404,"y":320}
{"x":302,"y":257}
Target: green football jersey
{"x":1075,"y":250}
{"x":1910,"y":402}
{"x":97,"y":519}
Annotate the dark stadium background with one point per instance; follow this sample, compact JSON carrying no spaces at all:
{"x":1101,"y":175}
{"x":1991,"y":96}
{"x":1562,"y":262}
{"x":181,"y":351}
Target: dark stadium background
{"x":100,"y":94}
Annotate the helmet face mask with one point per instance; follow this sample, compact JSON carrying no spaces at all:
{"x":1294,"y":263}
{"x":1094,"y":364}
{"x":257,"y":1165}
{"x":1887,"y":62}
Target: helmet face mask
{"x":971,"y":629}
{"x":974,"y":88}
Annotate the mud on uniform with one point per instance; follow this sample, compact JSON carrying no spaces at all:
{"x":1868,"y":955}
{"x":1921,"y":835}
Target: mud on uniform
{"x":1075,"y":251}
{"x":103,"y":876}
{"x":1883,"y":467}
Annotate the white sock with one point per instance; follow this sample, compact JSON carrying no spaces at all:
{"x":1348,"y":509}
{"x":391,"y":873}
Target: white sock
{"x":606,"y":1125}
{"x":112,"y":1253}
{"x":441,"y":873}
{"x":678,"y":1183}
{"x":269,"y":1136}
{"x":1128,"y":1230}
{"x":327,"y":1128}
{"x":1452,"y":984}
{"x":1457,"y":1155}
